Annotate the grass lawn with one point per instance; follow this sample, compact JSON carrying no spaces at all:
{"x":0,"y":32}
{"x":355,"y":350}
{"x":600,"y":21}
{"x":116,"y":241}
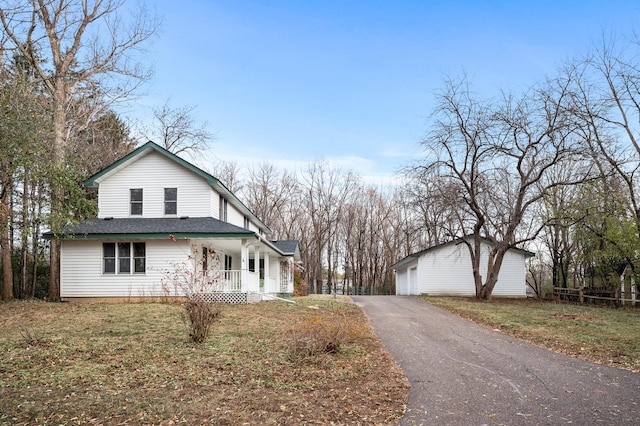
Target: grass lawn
{"x":606,"y":336}
{"x":67,"y":364}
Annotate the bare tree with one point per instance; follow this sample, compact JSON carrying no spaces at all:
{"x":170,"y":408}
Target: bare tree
{"x":86,"y":47}
{"x":178,"y":131}
{"x":268,"y":192}
{"x":229,"y":174}
{"x":606,"y":106}
{"x":326,"y":190}
{"x":495,"y":162}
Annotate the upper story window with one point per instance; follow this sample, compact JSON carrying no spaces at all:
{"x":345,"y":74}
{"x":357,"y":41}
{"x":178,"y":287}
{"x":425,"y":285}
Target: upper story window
{"x":246,"y":222}
{"x":222,"y":215}
{"x":171,"y":201}
{"x":135,"y":198}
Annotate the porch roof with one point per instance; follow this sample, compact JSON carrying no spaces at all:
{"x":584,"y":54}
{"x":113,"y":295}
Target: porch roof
{"x":151,"y":228}
{"x":288,"y":248}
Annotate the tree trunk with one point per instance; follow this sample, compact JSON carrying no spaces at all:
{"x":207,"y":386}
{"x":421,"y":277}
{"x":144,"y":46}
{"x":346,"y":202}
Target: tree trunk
{"x":7,"y":268}
{"x":57,"y":194}
{"x":24,"y":239}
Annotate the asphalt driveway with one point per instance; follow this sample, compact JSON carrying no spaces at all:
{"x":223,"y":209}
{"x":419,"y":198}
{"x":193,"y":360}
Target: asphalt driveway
{"x":462,"y":373}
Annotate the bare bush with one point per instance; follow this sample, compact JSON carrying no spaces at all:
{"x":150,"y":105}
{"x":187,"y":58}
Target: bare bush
{"x":319,"y":334}
{"x":31,"y":337}
{"x":200,"y":316}
{"x":197,"y":279}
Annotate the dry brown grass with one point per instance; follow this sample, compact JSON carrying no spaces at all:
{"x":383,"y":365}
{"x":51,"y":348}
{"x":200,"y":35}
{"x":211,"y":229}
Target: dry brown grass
{"x":134,"y":364}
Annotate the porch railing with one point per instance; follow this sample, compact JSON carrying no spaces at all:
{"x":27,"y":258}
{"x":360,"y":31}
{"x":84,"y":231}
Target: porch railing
{"x":235,"y":281}
{"x":230,"y":281}
{"x":238,"y":281}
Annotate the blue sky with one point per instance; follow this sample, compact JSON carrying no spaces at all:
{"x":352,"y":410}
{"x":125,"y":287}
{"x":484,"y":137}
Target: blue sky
{"x":353,"y":82}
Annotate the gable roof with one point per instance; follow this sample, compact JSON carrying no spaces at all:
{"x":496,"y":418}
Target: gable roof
{"x":149,"y":147}
{"x":417,"y":254}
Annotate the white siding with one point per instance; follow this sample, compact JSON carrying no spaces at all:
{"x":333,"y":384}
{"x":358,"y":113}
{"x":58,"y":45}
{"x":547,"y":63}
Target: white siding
{"x":234,"y":216}
{"x":402,"y":279}
{"x":81,"y":270}
{"x":446,"y":271}
{"x":153,"y":173}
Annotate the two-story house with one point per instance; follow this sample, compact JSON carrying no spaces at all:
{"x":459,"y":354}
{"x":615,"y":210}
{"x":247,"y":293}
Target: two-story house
{"x":160,"y":220}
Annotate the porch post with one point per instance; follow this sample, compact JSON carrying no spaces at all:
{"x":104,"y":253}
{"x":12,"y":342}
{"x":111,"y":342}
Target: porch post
{"x":244,"y":266}
{"x":267,"y":283}
{"x":256,"y":265}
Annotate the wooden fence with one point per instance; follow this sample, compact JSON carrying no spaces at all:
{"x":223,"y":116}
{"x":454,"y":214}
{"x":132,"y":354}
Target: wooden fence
{"x":587,"y":295}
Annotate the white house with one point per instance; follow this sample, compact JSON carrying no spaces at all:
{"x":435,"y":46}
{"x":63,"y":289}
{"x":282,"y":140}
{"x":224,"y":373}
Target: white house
{"x":161,"y":219}
{"x":445,"y":270}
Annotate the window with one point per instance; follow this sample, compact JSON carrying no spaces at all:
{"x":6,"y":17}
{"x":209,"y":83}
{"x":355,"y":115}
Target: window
{"x":139,"y":258}
{"x":227,"y":265}
{"x":205,"y":259}
{"x":122,"y":257}
{"x":109,"y":258}
{"x":171,"y":201}
{"x":136,"y":201}
{"x":246,"y":222}
{"x":222,"y":215}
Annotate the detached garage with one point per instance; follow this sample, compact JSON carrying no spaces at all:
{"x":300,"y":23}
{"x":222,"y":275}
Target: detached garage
{"x":445,"y":270}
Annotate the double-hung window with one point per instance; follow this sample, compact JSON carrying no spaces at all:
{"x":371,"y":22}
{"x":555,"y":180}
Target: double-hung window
{"x":123,"y":258}
{"x":170,"y":201}
{"x":135,"y":199}
{"x":222,"y":214}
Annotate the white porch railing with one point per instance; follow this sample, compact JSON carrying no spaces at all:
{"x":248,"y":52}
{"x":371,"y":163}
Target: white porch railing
{"x":230,"y":281}
{"x":236,"y":281}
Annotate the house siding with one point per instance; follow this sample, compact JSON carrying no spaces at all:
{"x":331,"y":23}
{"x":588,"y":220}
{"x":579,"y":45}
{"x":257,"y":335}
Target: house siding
{"x":81,"y":270}
{"x":234,"y":216}
{"x":153,"y":173}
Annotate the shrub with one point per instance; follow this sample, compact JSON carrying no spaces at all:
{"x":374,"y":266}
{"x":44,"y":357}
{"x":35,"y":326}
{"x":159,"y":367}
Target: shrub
{"x":300,"y":286}
{"x":200,"y":316}
{"x":31,"y":337}
{"x":320,"y":334}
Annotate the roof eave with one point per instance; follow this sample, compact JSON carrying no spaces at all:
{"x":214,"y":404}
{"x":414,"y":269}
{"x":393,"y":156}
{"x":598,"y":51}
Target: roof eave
{"x":149,"y":236}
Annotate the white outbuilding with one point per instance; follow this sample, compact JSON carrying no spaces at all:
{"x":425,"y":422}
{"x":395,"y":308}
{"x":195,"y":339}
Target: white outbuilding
{"x":445,"y":270}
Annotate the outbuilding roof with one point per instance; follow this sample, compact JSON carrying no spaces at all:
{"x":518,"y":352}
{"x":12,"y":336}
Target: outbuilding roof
{"x":416,"y":255}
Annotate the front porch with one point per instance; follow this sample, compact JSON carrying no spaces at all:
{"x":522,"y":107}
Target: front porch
{"x":263,"y":270}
